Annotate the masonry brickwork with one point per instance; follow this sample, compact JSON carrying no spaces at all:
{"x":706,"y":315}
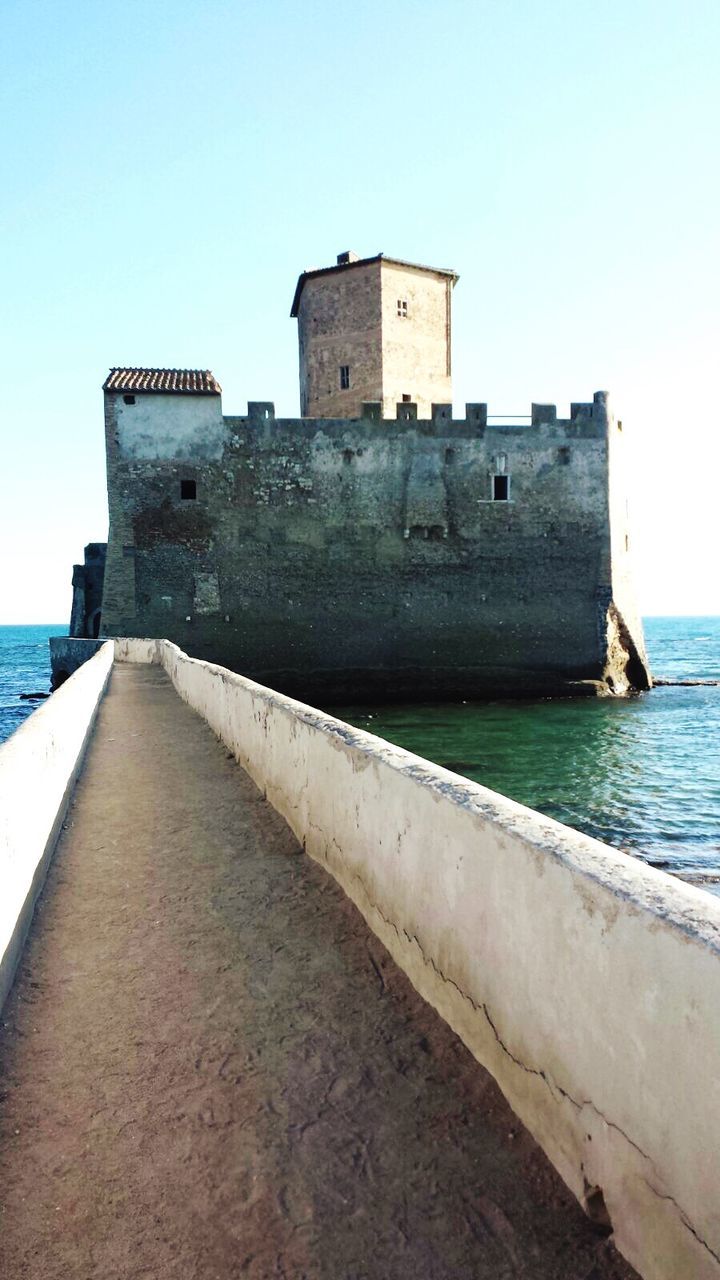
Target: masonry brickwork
{"x":373,"y":329}
{"x":356,"y":558}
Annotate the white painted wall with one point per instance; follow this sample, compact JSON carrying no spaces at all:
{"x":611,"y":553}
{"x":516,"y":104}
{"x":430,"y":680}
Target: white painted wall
{"x":38,"y":767}
{"x":170,"y":426}
{"x":588,"y":983}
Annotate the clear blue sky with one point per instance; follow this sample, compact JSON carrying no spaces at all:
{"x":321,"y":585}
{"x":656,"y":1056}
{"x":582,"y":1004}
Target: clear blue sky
{"x":169,"y":168}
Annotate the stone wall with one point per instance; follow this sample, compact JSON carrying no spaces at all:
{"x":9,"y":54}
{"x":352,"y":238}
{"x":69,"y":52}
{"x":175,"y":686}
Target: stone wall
{"x":587,"y":982}
{"x":87,"y":583}
{"x":67,"y":653}
{"x":416,"y":346}
{"x":339,"y":323}
{"x":353,"y":559}
{"x":350,"y":317}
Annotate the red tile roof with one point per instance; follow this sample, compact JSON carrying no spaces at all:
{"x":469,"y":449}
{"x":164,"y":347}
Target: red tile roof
{"x":194,"y":382}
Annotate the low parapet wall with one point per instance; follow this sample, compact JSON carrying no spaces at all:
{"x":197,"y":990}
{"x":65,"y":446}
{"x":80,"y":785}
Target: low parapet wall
{"x":38,"y":767}
{"x":586,"y":982}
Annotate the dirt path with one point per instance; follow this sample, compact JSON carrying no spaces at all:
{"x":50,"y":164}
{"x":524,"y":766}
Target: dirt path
{"x":210,"y":1069}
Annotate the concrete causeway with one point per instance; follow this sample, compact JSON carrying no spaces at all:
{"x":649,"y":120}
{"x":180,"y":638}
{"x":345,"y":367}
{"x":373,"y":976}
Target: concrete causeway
{"x":211,"y":1068}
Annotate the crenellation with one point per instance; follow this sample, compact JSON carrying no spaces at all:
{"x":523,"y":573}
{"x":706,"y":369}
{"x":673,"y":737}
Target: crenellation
{"x":580,"y":412}
{"x":405,"y":411}
{"x":476,"y":415}
{"x":261,"y":411}
{"x":372,"y":410}
{"x":542,"y":414}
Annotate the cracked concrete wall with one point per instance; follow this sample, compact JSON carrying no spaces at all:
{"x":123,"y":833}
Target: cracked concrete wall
{"x":585,"y":981}
{"x":351,"y":559}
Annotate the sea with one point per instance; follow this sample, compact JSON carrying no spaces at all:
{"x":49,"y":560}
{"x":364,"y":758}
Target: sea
{"x":642,"y":773}
{"x":24,"y":668}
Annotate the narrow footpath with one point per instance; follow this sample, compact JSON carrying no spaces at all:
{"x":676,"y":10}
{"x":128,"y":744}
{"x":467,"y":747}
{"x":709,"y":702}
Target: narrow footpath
{"x":210,"y":1069}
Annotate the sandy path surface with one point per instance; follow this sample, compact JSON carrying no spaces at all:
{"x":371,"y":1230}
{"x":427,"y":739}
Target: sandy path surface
{"x":209,"y":1068}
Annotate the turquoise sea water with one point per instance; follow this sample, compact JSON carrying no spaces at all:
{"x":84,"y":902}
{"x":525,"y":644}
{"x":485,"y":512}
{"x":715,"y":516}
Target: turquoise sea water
{"x":24,"y":668}
{"x":641,"y":773}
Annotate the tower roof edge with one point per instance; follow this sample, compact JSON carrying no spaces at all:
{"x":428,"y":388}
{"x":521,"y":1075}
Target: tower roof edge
{"x":364,"y":262}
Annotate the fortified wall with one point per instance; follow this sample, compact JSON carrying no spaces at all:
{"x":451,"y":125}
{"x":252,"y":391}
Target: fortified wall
{"x":87,"y":584}
{"x":339,"y":559}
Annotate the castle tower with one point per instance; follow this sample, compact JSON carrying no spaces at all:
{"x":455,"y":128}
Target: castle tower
{"x":373,"y":329}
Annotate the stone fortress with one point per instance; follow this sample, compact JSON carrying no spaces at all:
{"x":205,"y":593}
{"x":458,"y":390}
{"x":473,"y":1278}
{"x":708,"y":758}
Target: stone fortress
{"x":377,"y":547}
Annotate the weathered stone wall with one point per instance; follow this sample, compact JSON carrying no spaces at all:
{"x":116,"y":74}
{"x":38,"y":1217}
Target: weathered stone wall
{"x":341,"y":559}
{"x":67,"y":654}
{"x":87,"y":583}
{"x":416,"y":346}
{"x":339,"y":323}
{"x":349,"y":317}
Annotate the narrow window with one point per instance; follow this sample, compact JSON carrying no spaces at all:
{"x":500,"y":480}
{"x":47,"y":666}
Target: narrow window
{"x":188,"y":489}
{"x":344,"y":377}
{"x":402,"y":308}
{"x":129,"y":399}
{"x":501,"y":488}
{"x":564,"y":457}
{"x":407,"y":399}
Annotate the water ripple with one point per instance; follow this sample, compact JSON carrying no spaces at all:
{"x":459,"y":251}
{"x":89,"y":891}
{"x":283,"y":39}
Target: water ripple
{"x":642,"y":774}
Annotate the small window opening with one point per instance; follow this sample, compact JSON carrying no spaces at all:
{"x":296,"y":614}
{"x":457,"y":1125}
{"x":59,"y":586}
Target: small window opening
{"x":449,"y":456}
{"x":564,"y":457}
{"x":129,"y":399}
{"x":348,"y":455}
{"x":344,"y":377}
{"x":188,"y":489}
{"x":402,"y":308}
{"x":407,"y":399}
{"x":501,"y":488}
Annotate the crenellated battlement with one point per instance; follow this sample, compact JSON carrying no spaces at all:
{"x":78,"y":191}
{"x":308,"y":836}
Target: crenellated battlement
{"x":587,"y":418}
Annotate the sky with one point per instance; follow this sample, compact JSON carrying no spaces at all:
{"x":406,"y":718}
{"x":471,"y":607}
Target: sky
{"x":169,"y":168}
